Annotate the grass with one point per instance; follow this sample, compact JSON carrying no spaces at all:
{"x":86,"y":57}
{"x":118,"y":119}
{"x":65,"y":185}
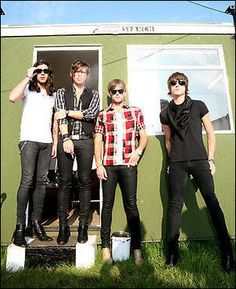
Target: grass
{"x":199,"y":267}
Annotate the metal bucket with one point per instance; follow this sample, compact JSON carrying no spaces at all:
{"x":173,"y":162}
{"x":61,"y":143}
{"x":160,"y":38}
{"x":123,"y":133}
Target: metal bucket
{"x":120,"y":246}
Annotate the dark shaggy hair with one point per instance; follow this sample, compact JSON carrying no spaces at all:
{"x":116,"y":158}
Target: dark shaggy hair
{"x":50,"y":88}
{"x":178,"y":76}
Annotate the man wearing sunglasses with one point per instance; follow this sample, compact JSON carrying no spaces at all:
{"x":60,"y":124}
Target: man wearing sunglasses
{"x":182,"y":122}
{"x":117,"y":157}
{"x":36,"y":91}
{"x":77,"y":108}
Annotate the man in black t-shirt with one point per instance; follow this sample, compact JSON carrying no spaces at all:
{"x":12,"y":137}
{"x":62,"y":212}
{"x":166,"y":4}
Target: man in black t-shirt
{"x":182,"y":122}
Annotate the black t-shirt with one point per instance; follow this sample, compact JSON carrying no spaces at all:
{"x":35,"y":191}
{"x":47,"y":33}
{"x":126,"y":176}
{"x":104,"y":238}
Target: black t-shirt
{"x":191,"y":147}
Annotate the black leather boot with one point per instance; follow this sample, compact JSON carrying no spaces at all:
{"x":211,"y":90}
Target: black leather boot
{"x":18,"y":237}
{"x":39,"y":232}
{"x":82,"y":234}
{"x":171,"y":260}
{"x":227,"y":256}
{"x":228,"y":263}
{"x":29,"y":231}
{"x":63,"y":235}
{"x":172,"y":254}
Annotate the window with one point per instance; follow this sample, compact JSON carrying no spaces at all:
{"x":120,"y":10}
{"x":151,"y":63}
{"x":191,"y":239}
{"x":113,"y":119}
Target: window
{"x":149,"y":67}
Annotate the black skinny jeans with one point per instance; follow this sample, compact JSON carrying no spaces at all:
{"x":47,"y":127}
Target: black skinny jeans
{"x":35,"y":160}
{"x":83,"y":150}
{"x":126,"y":177}
{"x":200,"y":170}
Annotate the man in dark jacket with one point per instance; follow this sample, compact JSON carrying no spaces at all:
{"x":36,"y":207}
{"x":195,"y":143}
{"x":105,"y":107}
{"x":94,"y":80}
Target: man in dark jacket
{"x":77,"y":109}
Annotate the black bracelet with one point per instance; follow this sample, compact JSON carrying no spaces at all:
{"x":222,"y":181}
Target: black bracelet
{"x":65,"y":139}
{"x":65,"y":135}
{"x":67,"y":112}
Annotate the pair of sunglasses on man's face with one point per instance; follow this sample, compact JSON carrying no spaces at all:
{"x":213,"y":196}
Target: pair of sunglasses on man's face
{"x":180,"y":82}
{"x":39,"y":71}
{"x":114,"y":91}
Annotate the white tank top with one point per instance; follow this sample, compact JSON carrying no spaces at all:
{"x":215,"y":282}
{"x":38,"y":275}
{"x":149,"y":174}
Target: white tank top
{"x":36,"y":121}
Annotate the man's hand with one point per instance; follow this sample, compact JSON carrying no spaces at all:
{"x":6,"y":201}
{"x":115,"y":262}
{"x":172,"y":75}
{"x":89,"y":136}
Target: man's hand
{"x":101,"y":172}
{"x":60,"y":114}
{"x":30,"y":72}
{"x":134,"y":158}
{"x":54,"y":151}
{"x":68,"y":146}
{"x":212,"y":167}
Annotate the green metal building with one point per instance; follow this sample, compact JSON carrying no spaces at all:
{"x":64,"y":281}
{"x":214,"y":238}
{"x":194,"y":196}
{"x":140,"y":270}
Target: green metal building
{"x":143,"y":55}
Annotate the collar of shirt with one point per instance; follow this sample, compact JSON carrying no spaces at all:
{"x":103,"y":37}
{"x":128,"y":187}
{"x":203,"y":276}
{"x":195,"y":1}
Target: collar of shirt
{"x":125,"y":105}
{"x":74,"y":89}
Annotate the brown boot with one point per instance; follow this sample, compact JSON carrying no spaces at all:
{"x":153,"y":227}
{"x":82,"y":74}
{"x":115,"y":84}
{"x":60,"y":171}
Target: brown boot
{"x":138,"y":259}
{"x":106,"y":256}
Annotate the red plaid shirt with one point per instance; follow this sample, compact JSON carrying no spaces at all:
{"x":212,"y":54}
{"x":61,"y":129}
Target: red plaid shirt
{"x":106,"y":125}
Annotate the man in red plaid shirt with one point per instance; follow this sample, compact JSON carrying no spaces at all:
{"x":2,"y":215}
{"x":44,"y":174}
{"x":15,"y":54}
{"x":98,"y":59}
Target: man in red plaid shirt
{"x":117,"y":154}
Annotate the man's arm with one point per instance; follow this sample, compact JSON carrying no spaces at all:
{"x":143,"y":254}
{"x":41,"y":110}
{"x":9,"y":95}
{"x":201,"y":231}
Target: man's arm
{"x":143,"y":140}
{"x":17,"y":92}
{"x":88,"y":114}
{"x":167,"y":133}
{"x":135,"y":155}
{"x":55,"y":131}
{"x":98,"y":147}
{"x":68,"y":145}
{"x":211,"y":141}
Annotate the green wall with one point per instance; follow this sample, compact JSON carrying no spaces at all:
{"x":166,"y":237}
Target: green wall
{"x":16,"y":57}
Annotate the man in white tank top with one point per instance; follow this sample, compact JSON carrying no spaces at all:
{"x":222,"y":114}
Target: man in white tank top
{"x":36,"y":91}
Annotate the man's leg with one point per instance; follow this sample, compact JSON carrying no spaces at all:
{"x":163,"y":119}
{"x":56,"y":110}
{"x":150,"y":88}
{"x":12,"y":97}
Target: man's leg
{"x":65,"y":165}
{"x":178,"y":176}
{"x":204,"y":179}
{"x":84,"y":150}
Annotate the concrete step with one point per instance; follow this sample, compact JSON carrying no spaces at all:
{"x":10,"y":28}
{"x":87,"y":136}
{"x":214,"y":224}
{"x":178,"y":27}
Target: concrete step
{"x":49,"y":253}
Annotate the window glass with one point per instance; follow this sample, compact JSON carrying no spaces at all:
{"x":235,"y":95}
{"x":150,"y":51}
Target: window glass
{"x":150,"y":66}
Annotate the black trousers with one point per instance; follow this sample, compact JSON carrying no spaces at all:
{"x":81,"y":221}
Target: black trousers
{"x":126,"y":177}
{"x":178,"y":175}
{"x":35,"y":160}
{"x":84,"y":155}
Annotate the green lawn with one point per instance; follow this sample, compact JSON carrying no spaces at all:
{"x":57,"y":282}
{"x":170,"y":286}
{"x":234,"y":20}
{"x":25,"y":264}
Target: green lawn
{"x":199,"y":267}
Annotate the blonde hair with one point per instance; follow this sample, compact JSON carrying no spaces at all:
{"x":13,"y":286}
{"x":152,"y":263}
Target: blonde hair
{"x":113,"y":83}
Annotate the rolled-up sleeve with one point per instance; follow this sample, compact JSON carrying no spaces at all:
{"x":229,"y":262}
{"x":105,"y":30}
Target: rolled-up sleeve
{"x":99,"y":127}
{"x":60,"y":104}
{"x":140,"y":120}
{"x":92,"y":111}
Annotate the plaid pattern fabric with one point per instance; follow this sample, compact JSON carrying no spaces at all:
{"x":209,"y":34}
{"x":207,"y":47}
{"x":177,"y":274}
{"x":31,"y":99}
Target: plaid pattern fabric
{"x":133,"y":122}
{"x":89,"y":114}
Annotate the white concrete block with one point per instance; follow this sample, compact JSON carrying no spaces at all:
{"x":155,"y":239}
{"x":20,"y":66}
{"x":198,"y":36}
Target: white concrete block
{"x":15,"y":258}
{"x":86,"y":253}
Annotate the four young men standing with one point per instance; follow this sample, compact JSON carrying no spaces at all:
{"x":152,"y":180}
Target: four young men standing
{"x":117,"y":141}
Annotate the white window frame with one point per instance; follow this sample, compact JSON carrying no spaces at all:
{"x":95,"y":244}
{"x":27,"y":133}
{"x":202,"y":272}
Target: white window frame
{"x":222,"y":67}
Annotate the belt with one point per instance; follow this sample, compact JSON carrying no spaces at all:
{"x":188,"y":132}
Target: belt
{"x":81,"y":137}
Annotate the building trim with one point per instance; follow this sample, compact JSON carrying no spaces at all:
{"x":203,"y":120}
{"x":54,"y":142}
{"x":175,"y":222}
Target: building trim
{"x":117,"y":29}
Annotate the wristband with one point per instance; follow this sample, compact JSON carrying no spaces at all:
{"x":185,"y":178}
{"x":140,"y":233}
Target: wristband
{"x":66,"y":139}
{"x":211,"y":160}
{"x":65,"y":135}
{"x":67,"y":112}
{"x":139,"y":152}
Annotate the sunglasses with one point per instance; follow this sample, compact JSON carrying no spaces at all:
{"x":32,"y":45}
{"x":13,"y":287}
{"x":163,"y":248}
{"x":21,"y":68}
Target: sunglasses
{"x":120,"y":91}
{"x":39,"y":70}
{"x":180,"y":82}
